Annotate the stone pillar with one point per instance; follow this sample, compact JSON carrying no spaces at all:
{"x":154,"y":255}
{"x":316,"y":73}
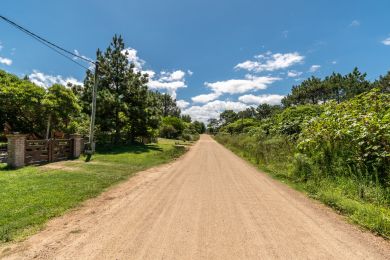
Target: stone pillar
{"x":77,"y":143}
{"x":16,"y":150}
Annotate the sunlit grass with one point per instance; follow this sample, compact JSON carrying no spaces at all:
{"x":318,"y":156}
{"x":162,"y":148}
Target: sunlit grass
{"x":32,"y":195}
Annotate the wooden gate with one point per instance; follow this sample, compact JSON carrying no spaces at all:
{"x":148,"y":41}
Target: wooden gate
{"x":45,"y":151}
{"x":60,"y":149}
{"x":3,"y":153}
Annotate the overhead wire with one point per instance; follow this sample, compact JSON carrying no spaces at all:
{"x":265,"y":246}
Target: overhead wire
{"x":58,"y":49}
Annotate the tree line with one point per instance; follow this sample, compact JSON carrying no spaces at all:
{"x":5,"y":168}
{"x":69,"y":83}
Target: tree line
{"x":336,"y":126}
{"x":127,"y":110}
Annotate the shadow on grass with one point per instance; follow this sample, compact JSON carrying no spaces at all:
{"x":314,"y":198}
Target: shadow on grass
{"x":129,"y":148}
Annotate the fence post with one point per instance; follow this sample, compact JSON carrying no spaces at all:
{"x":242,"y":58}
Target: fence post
{"x":76,"y":139}
{"x":16,"y":150}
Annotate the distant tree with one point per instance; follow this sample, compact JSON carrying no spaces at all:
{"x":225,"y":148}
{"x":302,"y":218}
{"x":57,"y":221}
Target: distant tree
{"x":383,"y":83}
{"x":213,"y":125}
{"x":200,"y":127}
{"x":355,"y":83}
{"x":171,"y":127}
{"x":186,"y":118}
{"x":169,"y":106}
{"x":250,"y":112}
{"x":228,"y":116}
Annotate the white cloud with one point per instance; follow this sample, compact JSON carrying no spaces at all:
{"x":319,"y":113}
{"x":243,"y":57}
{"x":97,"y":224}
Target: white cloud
{"x":293,"y":73}
{"x":314,"y":68}
{"x":354,"y":23}
{"x":168,"y":81}
{"x":151,"y":73}
{"x":386,"y":41}
{"x":44,"y":80}
{"x":271,"y":99}
{"x":204,"y":98}
{"x":5,"y":61}
{"x":271,"y":62}
{"x":190,"y":73}
{"x":177,"y":75}
{"x":236,"y":86}
{"x":213,"y":109}
{"x":182,"y":104}
{"x":334,"y":62}
{"x":132,"y":56}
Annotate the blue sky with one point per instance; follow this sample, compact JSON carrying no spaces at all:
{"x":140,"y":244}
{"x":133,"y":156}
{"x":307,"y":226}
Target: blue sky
{"x":212,"y":55}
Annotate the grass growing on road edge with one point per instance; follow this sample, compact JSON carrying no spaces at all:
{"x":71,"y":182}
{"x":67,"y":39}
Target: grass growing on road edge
{"x":342,"y":194}
{"x":32,"y":195}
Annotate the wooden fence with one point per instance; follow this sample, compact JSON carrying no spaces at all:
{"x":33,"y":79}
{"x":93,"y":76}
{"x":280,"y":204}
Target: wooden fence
{"x":45,"y":151}
{"x":3,"y":153}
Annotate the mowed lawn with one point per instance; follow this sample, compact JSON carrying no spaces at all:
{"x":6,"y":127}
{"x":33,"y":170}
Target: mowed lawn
{"x":32,"y":195}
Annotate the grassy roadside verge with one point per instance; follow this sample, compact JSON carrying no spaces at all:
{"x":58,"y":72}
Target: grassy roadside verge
{"x":342,"y":194}
{"x":32,"y":195}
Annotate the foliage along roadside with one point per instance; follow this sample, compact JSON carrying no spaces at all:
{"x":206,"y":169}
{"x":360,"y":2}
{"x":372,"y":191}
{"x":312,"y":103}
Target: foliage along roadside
{"x":335,"y":148}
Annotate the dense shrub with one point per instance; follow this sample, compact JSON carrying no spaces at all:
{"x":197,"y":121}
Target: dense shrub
{"x":352,"y":137}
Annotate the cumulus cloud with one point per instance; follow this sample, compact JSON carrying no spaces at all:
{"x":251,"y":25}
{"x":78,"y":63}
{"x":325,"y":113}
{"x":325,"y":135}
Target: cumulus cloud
{"x":45,"y":80}
{"x":168,"y":81}
{"x":354,"y":23}
{"x":237,"y":86}
{"x":271,"y":99}
{"x":386,"y":41}
{"x":314,"y":68}
{"x":293,"y":73}
{"x":213,"y":109}
{"x":5,"y":61}
{"x":132,"y":56}
{"x":271,"y":62}
{"x":182,"y":104}
{"x":204,"y":98}
{"x":164,"y":81}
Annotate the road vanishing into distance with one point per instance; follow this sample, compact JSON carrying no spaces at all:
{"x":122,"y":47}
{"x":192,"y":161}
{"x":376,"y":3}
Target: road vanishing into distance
{"x":209,"y":204}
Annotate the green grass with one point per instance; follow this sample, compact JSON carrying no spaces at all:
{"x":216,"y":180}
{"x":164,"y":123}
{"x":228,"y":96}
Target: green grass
{"x":343,"y":194}
{"x":32,"y":195}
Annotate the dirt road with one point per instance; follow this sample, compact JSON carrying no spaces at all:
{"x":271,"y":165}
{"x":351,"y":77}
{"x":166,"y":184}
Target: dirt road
{"x":209,"y":204}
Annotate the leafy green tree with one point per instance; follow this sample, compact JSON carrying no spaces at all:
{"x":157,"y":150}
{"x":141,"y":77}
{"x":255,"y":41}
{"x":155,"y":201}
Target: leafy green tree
{"x":264,"y":111}
{"x":61,"y":106}
{"x":250,"y":112}
{"x":172,"y":127}
{"x":199,"y":127}
{"x":124,"y":101}
{"x":186,"y":118}
{"x":228,"y":116}
{"x":213,"y":125}
{"x":169,"y":106}
{"x":355,"y":83}
{"x":21,"y":104}
{"x":383,"y":83}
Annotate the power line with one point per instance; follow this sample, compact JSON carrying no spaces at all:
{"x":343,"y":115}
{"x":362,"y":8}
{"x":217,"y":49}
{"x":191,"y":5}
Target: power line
{"x":49,"y":44}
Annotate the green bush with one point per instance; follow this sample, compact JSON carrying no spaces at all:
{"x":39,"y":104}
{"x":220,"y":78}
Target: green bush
{"x":351,"y":138}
